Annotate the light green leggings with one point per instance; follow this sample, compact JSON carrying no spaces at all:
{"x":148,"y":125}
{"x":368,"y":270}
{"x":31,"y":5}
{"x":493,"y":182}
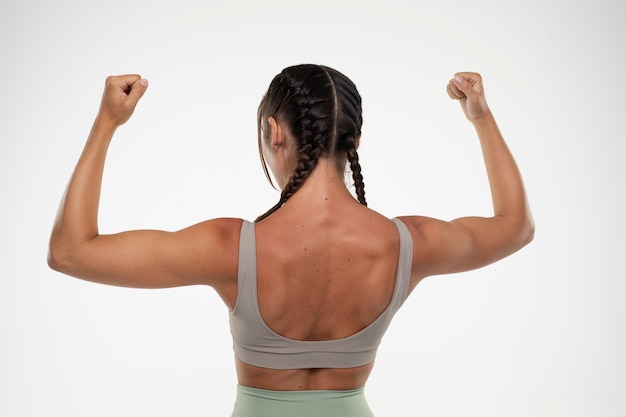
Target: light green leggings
{"x":254,"y":402}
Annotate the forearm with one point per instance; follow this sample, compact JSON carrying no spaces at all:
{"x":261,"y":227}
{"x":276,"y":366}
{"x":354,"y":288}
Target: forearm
{"x":77,"y":218}
{"x":505,"y":181}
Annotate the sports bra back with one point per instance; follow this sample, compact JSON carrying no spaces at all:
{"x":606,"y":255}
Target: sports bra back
{"x":256,"y":344}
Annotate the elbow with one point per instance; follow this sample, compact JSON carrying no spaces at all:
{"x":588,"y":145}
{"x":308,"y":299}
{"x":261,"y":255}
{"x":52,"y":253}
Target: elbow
{"x":54,"y":260}
{"x":520,"y":231}
{"x":529,"y":235}
{"x":67,"y":255}
{"x":59,"y":257}
{"x":526,"y":232}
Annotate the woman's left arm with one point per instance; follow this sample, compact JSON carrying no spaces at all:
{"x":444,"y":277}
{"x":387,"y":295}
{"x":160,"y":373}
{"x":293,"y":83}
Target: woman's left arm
{"x":204,"y":253}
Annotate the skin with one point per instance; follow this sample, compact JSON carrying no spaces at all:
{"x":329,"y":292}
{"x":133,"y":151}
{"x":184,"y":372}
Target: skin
{"x":315,"y":260}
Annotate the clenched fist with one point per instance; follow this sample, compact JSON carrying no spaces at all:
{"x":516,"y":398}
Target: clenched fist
{"x":467,"y":87}
{"x":121,"y":94}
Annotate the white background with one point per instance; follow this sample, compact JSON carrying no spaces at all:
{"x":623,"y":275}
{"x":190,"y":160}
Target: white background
{"x":542,"y":333}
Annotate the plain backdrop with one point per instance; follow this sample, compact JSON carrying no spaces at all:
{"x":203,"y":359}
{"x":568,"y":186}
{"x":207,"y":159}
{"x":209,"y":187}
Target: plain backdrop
{"x":542,"y":333}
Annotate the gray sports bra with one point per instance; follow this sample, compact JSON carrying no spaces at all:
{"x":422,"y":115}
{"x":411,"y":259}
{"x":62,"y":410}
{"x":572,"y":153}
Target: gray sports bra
{"x":256,"y":344}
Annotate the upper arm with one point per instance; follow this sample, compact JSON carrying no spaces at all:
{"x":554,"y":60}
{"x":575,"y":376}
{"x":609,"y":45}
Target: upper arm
{"x":205,"y":253}
{"x":443,"y":247}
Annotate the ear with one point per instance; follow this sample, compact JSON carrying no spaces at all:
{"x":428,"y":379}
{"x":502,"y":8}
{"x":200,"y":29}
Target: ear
{"x":357,"y":142}
{"x":277,"y":134}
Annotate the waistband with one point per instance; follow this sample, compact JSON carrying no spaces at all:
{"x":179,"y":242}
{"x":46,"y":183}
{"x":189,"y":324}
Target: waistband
{"x":258,"y":402}
{"x":297,"y":396}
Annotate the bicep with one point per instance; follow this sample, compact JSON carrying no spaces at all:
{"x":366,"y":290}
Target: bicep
{"x":444,"y":247}
{"x":200,"y":254}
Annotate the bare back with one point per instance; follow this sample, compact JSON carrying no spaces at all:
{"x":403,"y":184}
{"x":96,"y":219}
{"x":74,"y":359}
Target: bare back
{"x":324,"y":272}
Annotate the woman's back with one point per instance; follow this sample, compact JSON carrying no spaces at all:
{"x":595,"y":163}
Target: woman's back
{"x":326,"y":269}
{"x":325,"y":277}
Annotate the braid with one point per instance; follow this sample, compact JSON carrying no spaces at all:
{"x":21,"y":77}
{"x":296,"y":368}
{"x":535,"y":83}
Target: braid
{"x":355,"y":166}
{"x":322,"y":110}
{"x":309,"y":150}
{"x":348,"y":125}
{"x":307,"y":116}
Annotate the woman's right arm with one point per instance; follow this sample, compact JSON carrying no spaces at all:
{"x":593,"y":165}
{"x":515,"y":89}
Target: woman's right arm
{"x":467,"y":243}
{"x":205,"y":253}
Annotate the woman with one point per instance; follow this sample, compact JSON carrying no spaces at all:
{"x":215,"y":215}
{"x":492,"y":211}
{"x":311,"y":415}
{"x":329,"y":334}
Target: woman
{"x":312,"y":285}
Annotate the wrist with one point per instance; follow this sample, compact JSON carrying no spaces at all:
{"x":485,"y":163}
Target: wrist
{"x":103,"y":129}
{"x":103,"y":121}
{"x":486,"y":120}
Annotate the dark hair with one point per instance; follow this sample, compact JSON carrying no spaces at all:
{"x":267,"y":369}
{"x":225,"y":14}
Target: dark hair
{"x":322,"y":109}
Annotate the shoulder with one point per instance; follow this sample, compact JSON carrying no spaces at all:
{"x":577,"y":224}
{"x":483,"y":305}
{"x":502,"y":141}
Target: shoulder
{"x":216,"y":254}
{"x":216,"y":235}
{"x":434,"y":242}
{"x":214,"y":244}
{"x":219,"y":228}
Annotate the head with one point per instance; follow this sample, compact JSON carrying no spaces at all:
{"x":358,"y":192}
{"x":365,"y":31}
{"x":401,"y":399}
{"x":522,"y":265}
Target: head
{"x":321,"y":110}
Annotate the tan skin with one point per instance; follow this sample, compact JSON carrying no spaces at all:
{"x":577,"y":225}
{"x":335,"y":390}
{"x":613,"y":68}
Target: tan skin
{"x":321,"y":274}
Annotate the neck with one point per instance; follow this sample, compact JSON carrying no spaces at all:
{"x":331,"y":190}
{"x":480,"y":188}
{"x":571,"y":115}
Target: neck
{"x":324,"y":182}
